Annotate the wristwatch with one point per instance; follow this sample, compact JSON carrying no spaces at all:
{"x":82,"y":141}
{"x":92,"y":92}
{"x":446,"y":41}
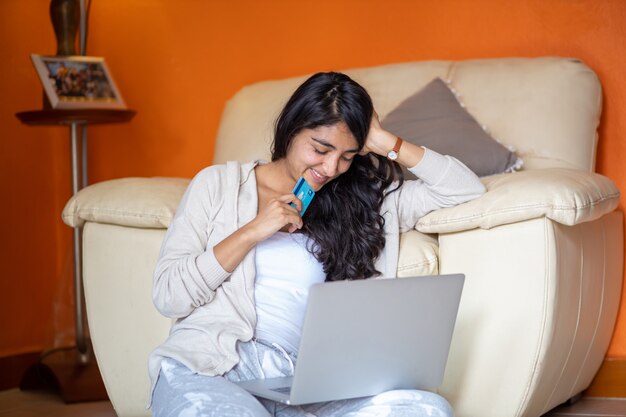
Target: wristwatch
{"x":393,"y":154}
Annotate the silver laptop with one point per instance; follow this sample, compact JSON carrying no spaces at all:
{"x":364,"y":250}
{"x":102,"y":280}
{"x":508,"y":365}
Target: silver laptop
{"x":361,"y":338}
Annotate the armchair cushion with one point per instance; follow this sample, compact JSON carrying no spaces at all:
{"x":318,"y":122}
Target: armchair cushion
{"x":150,"y":203}
{"x":566,"y":196}
{"x":433,"y":117}
{"x":134,"y":202}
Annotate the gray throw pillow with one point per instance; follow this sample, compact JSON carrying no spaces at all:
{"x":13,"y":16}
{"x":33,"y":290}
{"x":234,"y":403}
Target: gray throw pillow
{"x":433,"y":118}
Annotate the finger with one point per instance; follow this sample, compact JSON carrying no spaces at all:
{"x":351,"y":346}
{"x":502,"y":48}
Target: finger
{"x":294,"y":216}
{"x":292,"y":220}
{"x":298,"y":204}
{"x":291,"y":198}
{"x":287,"y":212}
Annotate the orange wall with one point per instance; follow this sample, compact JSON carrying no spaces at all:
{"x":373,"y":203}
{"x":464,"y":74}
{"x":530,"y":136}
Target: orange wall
{"x":177,"y":62}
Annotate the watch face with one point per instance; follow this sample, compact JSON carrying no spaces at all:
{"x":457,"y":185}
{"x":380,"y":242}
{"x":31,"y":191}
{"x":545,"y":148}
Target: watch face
{"x":393,"y":155}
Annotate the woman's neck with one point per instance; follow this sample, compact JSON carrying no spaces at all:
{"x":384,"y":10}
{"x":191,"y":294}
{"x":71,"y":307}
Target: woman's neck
{"x":274,"y":178}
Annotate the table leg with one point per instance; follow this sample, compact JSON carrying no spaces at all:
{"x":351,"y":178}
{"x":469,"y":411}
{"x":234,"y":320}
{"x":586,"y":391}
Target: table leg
{"x":81,"y":344}
{"x":71,"y":371}
{"x":83,"y":150}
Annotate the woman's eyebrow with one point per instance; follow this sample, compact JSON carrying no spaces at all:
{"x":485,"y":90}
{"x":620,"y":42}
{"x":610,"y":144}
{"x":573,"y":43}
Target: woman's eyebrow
{"x":331,"y":146}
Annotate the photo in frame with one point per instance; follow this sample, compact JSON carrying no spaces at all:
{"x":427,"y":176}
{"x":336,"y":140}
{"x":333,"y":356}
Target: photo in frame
{"x":77,"y":82}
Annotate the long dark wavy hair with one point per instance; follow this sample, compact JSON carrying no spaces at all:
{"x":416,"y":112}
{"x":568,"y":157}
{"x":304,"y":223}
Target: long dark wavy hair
{"x":343,"y":220}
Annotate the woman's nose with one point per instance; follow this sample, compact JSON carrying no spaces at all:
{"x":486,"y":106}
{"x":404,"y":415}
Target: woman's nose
{"x":331,"y":166}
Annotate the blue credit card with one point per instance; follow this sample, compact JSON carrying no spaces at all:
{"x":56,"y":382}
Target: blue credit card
{"x":305,"y":193}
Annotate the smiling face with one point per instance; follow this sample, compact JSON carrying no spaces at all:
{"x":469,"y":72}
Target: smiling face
{"x":321,"y":154}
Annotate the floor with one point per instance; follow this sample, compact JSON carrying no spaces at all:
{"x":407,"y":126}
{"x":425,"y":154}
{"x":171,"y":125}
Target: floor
{"x":591,"y":406}
{"x":16,"y":403}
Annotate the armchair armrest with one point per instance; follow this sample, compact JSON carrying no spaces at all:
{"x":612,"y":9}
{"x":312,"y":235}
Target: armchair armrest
{"x":567,"y":196}
{"x":134,"y":202}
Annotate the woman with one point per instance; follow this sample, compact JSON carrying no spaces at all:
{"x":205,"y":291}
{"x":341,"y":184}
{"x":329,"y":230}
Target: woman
{"x":237,"y":260}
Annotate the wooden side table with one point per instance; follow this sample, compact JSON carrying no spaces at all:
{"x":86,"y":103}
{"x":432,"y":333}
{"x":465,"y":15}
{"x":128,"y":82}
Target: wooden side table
{"x":71,"y":371}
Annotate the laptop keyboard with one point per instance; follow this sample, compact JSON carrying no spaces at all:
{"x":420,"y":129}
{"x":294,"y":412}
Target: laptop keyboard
{"x":282,"y":390}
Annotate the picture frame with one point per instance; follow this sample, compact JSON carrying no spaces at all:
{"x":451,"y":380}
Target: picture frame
{"x":77,"y":82}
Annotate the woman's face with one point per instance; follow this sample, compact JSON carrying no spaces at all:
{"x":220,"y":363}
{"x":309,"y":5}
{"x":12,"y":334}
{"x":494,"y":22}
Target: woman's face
{"x":321,"y":154}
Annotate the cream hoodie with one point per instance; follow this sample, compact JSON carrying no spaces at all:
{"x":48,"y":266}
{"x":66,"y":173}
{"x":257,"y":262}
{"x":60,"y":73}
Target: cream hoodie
{"x":212,"y":308}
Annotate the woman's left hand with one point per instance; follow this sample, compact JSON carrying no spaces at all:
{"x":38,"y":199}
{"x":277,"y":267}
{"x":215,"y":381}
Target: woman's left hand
{"x":378,"y":141}
{"x":381,"y":141}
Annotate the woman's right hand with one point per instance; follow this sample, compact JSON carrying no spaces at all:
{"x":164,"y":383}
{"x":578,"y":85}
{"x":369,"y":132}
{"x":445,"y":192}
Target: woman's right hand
{"x":271,"y":218}
{"x":275,"y":215}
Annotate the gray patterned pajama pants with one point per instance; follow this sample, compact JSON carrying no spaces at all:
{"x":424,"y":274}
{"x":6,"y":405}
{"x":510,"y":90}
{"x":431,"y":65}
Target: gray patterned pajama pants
{"x":179,"y":392}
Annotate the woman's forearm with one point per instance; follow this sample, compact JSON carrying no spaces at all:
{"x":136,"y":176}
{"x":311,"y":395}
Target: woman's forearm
{"x":410,"y":154}
{"x":233,"y":249}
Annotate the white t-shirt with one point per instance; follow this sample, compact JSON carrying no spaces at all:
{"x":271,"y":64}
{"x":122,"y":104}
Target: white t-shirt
{"x":285,"y":270}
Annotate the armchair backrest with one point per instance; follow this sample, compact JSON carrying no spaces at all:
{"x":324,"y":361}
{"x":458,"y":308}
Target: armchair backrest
{"x":546,"y":109}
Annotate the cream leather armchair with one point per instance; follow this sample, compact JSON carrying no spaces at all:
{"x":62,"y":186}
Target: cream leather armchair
{"x":542,"y":250}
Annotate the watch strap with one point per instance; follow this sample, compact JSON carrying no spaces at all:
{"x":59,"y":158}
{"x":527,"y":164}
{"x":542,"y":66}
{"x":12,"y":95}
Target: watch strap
{"x":393,"y":154}
{"x":396,"y":147}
